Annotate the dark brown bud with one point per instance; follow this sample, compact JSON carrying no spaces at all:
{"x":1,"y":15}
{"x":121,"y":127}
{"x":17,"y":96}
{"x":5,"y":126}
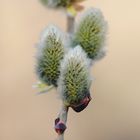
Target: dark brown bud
{"x":83,"y":104}
{"x":60,"y":127}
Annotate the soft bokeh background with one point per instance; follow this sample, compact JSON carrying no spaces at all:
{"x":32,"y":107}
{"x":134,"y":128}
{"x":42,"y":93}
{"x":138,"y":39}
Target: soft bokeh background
{"x":113,"y":114}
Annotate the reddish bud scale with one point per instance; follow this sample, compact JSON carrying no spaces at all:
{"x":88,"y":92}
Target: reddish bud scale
{"x":60,"y":127}
{"x":83,"y":104}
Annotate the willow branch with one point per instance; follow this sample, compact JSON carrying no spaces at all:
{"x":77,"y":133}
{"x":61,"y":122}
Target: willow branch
{"x":64,"y":109}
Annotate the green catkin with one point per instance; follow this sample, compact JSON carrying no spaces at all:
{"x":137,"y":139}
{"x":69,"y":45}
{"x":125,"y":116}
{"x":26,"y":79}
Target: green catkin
{"x":59,"y":3}
{"x":90,"y":33}
{"x":50,"y":53}
{"x":74,"y":81}
{"x":56,"y":3}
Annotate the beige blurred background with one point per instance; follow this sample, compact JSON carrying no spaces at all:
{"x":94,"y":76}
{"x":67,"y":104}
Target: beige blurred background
{"x":113,"y":114}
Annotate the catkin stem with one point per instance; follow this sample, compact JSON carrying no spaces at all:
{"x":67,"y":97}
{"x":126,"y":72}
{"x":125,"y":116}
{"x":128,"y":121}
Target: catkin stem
{"x":70,"y":24}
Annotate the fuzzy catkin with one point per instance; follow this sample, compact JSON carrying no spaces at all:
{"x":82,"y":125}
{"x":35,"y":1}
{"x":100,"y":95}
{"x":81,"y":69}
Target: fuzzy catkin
{"x":74,"y":81}
{"x":50,"y":53}
{"x":59,"y":3}
{"x":90,"y":33}
{"x":56,"y":3}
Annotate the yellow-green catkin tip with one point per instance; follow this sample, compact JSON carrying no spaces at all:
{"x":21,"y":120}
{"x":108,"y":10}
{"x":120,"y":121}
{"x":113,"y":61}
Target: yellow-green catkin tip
{"x":74,"y":81}
{"x":49,"y":54}
{"x":90,"y":33}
